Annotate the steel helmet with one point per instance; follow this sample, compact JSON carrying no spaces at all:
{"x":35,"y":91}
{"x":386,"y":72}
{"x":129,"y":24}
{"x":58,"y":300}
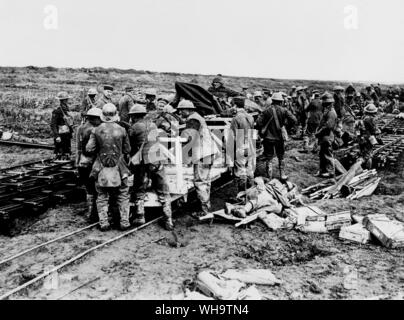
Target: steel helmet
{"x":338,"y":88}
{"x":62,"y":95}
{"x":370,"y":108}
{"x":94,"y":112}
{"x":186,"y":104}
{"x":327,"y":97}
{"x":109,"y":113}
{"x":151,"y":92}
{"x":108,"y":87}
{"x":277,"y":96}
{"x":92,"y":92}
{"x":138,"y":109}
{"x":217,"y":80}
{"x":299,"y":88}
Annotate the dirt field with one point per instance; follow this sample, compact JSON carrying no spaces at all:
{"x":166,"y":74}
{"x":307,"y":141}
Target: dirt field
{"x":149,"y":264}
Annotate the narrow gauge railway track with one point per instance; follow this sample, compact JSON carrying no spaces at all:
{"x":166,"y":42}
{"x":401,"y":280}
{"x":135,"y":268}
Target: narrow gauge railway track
{"x":33,"y":187}
{"x":64,"y":261}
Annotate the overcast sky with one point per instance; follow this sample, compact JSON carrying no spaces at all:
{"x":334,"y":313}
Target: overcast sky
{"x":294,"y":39}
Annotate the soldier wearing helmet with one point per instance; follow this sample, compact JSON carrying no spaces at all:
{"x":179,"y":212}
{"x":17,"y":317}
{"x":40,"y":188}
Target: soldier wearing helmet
{"x":109,"y":143}
{"x":200,"y":152}
{"x":314,"y":114}
{"x":146,"y":165}
{"x":62,"y":127}
{"x":85,"y":161}
{"x":368,"y":135}
{"x":326,"y":137}
{"x":89,"y":102}
{"x":270,"y":124}
{"x":219,"y":90}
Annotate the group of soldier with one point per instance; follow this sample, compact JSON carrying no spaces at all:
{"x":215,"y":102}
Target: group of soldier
{"x":115,"y":140}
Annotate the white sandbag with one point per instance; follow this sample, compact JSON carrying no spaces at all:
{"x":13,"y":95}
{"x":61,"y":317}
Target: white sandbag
{"x":219,"y":288}
{"x":254,"y":276}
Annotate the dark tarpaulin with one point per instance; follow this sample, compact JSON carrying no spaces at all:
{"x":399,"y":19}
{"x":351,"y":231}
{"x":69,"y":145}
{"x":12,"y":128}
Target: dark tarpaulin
{"x":204,"y":101}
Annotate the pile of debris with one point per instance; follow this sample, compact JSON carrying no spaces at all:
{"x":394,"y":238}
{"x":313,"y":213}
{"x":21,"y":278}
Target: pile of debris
{"x":230,"y":285}
{"x":271,"y":202}
{"x":361,"y":185}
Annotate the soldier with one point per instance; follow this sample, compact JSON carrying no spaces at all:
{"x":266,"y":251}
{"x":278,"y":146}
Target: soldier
{"x":339,"y":104}
{"x":259,"y":99}
{"x":203,"y":152}
{"x":326,"y":136}
{"x":315,"y":113}
{"x":146,"y":165}
{"x":85,"y":161}
{"x":88,"y":103}
{"x":371,"y":96}
{"x":368,"y":133}
{"x":165,"y":117}
{"x":266,"y":95}
{"x":220,"y":91}
{"x":240,"y":136}
{"x":62,"y":127}
{"x":350,"y":91}
{"x":125,"y":103}
{"x":105,"y":97}
{"x":292,"y":92}
{"x":301,"y":105}
{"x":110,"y":142}
{"x":270,"y":124}
{"x":151,"y":95}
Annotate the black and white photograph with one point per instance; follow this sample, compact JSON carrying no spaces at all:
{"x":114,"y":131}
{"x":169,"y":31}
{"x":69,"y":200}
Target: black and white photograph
{"x":222,"y":152}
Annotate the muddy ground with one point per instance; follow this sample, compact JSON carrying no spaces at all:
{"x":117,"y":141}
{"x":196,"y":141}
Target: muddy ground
{"x":151,"y":264}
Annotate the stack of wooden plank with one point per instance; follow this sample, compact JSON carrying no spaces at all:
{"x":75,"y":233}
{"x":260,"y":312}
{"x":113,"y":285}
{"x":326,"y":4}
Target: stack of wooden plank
{"x":358,"y":186}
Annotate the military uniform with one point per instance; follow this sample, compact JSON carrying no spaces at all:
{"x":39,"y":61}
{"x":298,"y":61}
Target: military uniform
{"x":301,"y":103}
{"x":315,"y":113}
{"x":241,"y":129}
{"x":368,"y":129}
{"x":84,"y":163}
{"x":111,"y":144}
{"x":143,"y":140}
{"x":339,"y":105}
{"x":202,"y":155}
{"x":102,"y":101}
{"x":125,"y":103}
{"x":326,"y":139}
{"x":62,"y":127}
{"x":274,"y":143}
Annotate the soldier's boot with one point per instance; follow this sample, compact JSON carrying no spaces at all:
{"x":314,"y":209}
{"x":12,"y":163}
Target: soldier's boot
{"x":282,"y":175}
{"x":268,"y":169}
{"x":103,"y":216}
{"x":90,"y":206}
{"x":168,"y":221}
{"x":139,"y":216}
{"x":124,"y":223}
